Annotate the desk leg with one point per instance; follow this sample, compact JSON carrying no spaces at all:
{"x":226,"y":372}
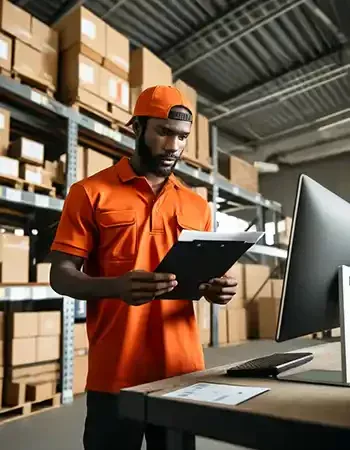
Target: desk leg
{"x":178,"y":440}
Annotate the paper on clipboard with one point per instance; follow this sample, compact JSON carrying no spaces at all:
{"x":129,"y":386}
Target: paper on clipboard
{"x":250,"y":237}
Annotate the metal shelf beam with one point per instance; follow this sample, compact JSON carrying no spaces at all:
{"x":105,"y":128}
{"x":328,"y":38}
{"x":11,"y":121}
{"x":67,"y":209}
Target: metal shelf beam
{"x":32,"y":199}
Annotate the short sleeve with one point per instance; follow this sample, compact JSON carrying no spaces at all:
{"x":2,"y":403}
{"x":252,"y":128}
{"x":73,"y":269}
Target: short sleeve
{"x":76,"y":229}
{"x":209,"y":219}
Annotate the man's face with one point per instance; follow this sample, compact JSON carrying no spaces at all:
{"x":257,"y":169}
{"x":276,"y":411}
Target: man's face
{"x":162,"y":143}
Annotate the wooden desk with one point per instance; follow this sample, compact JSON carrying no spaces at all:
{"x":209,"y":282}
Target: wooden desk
{"x":291,"y":415}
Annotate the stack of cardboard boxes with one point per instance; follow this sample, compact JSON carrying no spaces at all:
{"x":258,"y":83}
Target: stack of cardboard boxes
{"x":29,"y":47}
{"x":81,"y":346}
{"x":94,"y":68}
{"x":14,"y":259}
{"x":33,"y":349}
{"x":239,"y":172}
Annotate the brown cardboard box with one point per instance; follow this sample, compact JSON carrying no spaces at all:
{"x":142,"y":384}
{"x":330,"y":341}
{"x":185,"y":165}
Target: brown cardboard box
{"x":243,"y":174}
{"x":236,"y":325}
{"x":203,"y":320}
{"x":14,"y":258}
{"x":43,"y":273}
{"x":9,"y":167}
{"x":23,"y":351}
{"x":276,"y":288}
{"x":80,"y":337}
{"x":4,"y":131}
{"x":82,"y":27}
{"x":47,"y":348}
{"x":117,"y":58}
{"x":5,"y":52}
{"x":222,"y":321}
{"x":1,"y":388}
{"x":114,"y":89}
{"x":80,"y":374}
{"x":24,"y":324}
{"x":96,"y":162}
{"x":33,"y":174}
{"x":147,"y":70}
{"x":40,"y":391}
{"x":191,"y":95}
{"x":284,"y":236}
{"x":2,"y":325}
{"x":268,"y":314}
{"x":1,"y":354}
{"x":49,"y":323}
{"x":121,"y":115}
{"x":15,"y":21}
{"x":28,"y":63}
{"x":203,"y":140}
{"x":78,"y":72}
{"x":28,"y":151}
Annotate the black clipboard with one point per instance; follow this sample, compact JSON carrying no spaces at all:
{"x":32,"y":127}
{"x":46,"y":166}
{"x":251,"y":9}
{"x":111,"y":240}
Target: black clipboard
{"x":197,"y":261}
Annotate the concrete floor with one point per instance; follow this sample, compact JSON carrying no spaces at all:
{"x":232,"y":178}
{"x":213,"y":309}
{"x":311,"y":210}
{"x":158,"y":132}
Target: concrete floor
{"x":61,"y":429}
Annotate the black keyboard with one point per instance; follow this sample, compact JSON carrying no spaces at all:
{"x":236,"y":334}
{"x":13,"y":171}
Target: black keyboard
{"x":270,"y":365}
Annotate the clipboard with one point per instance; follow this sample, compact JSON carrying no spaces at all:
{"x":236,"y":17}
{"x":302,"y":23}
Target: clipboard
{"x":199,"y":256}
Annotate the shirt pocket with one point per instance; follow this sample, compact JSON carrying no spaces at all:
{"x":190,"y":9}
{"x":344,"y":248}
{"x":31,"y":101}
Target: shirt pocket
{"x":118,"y":235}
{"x":186,"y":222}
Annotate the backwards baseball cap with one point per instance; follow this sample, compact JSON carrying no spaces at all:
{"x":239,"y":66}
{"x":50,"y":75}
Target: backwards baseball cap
{"x":158,"y":101}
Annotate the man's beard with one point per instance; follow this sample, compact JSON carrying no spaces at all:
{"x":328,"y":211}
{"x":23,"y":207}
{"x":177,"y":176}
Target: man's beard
{"x":154,"y":164}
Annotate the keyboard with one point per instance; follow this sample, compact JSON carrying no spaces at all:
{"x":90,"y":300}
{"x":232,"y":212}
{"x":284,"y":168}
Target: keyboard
{"x":269,"y":366}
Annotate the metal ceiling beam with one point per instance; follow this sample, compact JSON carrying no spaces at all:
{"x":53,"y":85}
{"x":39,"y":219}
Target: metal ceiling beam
{"x":117,"y":5}
{"x":325,"y":19}
{"x":66,"y":9}
{"x":247,"y":30}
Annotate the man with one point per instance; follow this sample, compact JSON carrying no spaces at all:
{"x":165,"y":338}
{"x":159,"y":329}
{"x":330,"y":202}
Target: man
{"x":118,"y":225}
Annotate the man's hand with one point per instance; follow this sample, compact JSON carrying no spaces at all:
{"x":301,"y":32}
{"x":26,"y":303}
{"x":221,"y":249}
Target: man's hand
{"x":219,"y":290}
{"x":138,"y":286}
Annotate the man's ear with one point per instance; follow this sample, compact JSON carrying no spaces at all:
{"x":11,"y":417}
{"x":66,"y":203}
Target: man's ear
{"x":137,"y":128}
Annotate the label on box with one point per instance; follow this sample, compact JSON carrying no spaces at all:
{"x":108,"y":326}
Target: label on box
{"x":113,"y":88}
{"x":33,"y":177}
{"x":2,"y":121}
{"x":33,"y":150}
{"x":125,"y":95}
{"x":88,"y":28}
{"x":86,"y":73}
{"x":4,"y":50}
{"x":9,"y":166}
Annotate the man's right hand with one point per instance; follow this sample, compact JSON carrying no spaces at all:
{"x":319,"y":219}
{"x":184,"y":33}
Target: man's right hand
{"x":138,"y":286}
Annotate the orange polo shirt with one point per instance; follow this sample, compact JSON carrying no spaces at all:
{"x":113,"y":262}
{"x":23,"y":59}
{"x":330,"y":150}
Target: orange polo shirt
{"x":117,"y":224}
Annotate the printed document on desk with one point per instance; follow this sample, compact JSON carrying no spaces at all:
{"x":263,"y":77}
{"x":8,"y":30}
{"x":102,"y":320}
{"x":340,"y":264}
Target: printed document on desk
{"x":199,"y":256}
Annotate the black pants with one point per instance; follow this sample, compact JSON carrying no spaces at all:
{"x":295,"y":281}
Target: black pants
{"x":106,"y":430}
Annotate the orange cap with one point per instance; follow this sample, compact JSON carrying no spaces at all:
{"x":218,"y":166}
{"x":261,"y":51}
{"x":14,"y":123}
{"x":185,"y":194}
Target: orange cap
{"x":157,"y":101}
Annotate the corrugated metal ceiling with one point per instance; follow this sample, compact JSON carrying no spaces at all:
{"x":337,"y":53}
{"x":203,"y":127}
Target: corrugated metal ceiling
{"x":267,"y":66}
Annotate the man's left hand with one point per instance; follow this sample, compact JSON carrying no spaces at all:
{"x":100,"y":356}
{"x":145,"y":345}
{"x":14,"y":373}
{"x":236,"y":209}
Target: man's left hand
{"x":219,"y":290}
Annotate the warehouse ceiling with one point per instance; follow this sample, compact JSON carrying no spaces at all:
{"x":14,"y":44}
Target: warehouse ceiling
{"x":273,"y":75}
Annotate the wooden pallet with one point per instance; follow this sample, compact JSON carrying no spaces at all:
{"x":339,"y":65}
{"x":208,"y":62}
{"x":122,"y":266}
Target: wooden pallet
{"x":34,"y":84}
{"x":28,"y":409}
{"x":24,"y":185}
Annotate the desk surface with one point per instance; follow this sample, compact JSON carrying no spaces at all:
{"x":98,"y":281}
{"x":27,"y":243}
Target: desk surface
{"x":289,"y":408}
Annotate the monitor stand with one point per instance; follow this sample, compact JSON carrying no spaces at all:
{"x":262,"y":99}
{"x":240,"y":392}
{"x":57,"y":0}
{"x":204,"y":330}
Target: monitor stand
{"x":333,"y":377}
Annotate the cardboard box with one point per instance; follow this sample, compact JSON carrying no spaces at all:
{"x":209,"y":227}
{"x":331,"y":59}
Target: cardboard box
{"x":243,"y":174}
{"x":284,"y":236}
{"x":115,"y":90}
{"x":1,"y":389}
{"x":78,"y":73}
{"x":237,"y":272}
{"x":96,"y":162}
{"x":49,"y":323}
{"x":15,"y":21}
{"x":47,"y":348}
{"x":9,"y":167}
{"x":5,"y":52}
{"x":4,"y":131}
{"x":120,"y":115}
{"x":203,"y":320}
{"x":28,"y":151}
{"x":1,"y":354}
{"x":236,"y":325}
{"x":2,"y":326}
{"x":40,"y":391}
{"x":203,"y":140}
{"x":147,"y":70}
{"x":24,"y":324}
{"x":80,"y":374}
{"x":43,"y":273}
{"x":222,"y":322}
{"x":189,"y":93}
{"x":29,"y":63}
{"x":22,"y":351}
{"x":84,"y":29}
{"x":117,"y":59}
{"x":34,"y":174}
{"x":268,"y":314}
{"x":14,"y":258}
{"x":80,"y":337}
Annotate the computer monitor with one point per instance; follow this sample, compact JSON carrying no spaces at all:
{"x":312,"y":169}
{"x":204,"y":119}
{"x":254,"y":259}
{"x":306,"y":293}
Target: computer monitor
{"x":316,"y":287}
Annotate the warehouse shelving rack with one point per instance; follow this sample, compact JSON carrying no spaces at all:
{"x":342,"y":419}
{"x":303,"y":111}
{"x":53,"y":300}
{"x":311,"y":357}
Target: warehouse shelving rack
{"x":67,"y":126}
